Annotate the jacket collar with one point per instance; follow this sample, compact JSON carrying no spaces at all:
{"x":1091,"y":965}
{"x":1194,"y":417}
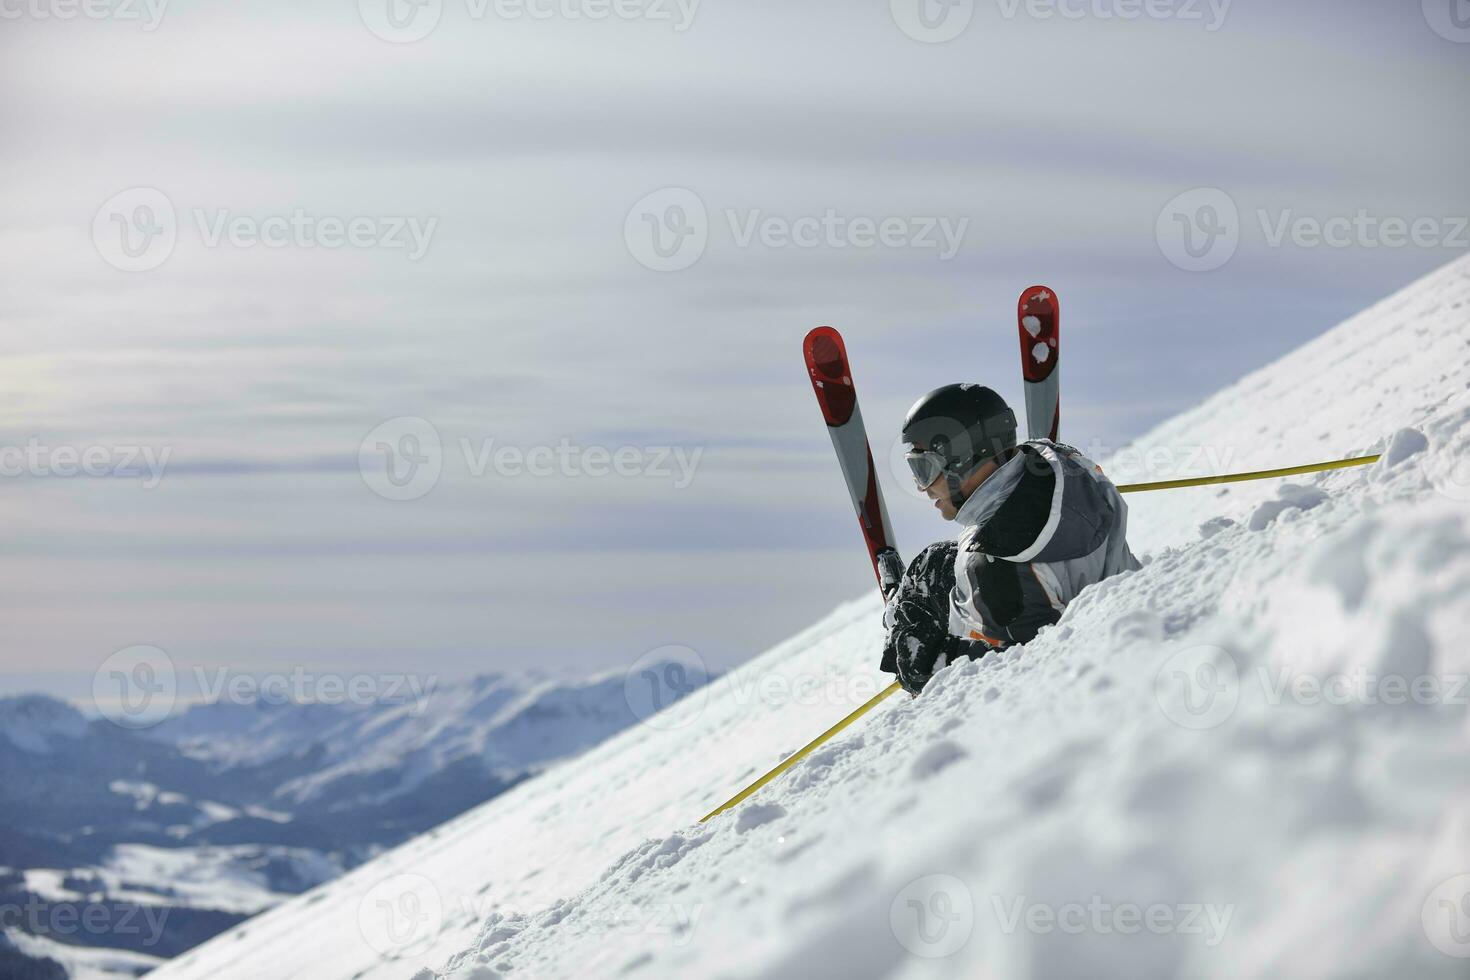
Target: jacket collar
{"x":989,"y":495}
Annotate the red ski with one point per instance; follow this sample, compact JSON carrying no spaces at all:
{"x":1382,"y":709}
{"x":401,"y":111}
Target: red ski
{"x":1038,"y":316}
{"x":826,"y":362}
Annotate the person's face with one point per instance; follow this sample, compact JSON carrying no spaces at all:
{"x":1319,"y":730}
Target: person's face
{"x":938,"y":491}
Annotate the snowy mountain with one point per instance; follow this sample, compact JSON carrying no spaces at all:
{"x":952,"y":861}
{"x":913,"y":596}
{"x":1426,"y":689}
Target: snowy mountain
{"x":231,"y":808}
{"x":33,"y":722}
{"x":1245,"y":760}
{"x":502,"y":726}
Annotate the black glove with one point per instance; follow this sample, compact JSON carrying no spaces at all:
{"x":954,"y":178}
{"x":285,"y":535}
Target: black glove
{"x":918,"y":643}
{"x":918,"y":650}
{"x":917,"y":668}
{"x":917,"y":617}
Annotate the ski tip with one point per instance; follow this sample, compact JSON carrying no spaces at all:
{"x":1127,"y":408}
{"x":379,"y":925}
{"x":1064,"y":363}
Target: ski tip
{"x":1038,"y":296}
{"x":825,"y":352}
{"x":815,"y":333}
{"x":1038,"y":314}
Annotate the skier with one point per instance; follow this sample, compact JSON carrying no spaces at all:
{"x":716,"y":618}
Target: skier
{"x":1039,"y":523}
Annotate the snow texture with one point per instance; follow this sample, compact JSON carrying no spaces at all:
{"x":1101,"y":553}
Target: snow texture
{"x":1208,"y":768}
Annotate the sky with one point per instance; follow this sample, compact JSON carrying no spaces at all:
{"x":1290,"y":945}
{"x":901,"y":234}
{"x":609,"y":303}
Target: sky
{"x":463,"y":336}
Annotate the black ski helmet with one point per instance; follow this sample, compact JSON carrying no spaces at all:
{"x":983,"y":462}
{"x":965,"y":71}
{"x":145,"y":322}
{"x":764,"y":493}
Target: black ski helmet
{"x":952,"y":430}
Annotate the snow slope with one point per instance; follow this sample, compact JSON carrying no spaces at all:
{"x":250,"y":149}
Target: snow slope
{"x":1206,"y":769}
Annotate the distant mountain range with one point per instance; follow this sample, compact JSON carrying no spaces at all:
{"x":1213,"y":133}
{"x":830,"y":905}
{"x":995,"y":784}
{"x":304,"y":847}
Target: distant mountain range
{"x":228,"y":809}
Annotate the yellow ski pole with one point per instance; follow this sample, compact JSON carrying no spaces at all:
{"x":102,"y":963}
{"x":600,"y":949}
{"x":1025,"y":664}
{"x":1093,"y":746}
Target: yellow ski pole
{"x":1203,"y":481}
{"x":802,"y":752}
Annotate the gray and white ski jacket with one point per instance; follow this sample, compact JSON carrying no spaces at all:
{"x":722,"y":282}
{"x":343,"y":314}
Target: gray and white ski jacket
{"x":1043,"y":527}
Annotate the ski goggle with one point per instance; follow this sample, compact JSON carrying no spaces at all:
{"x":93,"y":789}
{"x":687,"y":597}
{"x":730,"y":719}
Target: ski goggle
{"x":927,"y":467}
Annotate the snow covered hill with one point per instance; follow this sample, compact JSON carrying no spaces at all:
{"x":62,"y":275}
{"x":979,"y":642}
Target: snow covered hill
{"x":231,"y":808}
{"x":1247,"y":759}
